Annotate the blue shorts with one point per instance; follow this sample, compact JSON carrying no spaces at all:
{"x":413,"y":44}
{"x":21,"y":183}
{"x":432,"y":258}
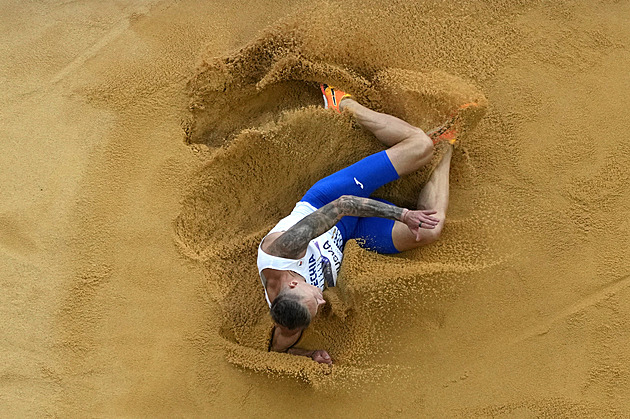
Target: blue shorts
{"x":360,"y":179}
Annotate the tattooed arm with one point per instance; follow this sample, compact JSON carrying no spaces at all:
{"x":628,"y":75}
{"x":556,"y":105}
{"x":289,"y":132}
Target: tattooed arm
{"x":292,"y":243}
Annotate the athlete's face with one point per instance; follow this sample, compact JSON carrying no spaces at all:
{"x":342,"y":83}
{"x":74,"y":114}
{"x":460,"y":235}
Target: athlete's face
{"x":311,"y":296}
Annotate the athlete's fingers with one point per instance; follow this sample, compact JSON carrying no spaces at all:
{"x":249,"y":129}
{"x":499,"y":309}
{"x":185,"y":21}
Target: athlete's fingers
{"x":323,"y":360}
{"x":422,"y":222}
{"x":322,"y":357}
{"x":430,"y":220}
{"x":426,"y":215}
{"x":415,"y":232}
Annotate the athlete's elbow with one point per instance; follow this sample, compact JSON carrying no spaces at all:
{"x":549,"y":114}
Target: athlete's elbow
{"x":344,"y":205}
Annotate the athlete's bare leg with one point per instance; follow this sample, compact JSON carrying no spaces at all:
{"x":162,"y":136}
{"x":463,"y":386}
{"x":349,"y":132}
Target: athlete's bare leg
{"x":409,"y":147}
{"x":434,"y":196}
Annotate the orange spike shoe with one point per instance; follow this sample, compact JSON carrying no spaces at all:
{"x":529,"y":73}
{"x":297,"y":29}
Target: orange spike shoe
{"x":333,"y":97}
{"x":449,"y":130}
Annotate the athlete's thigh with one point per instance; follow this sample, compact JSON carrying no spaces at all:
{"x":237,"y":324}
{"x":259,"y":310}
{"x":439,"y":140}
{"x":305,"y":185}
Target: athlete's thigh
{"x":375,"y":234}
{"x":388,"y":236}
{"x":360,"y":179}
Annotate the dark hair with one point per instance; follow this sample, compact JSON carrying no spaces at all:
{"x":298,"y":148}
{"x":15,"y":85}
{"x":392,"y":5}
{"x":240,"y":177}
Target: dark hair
{"x":288,"y":311}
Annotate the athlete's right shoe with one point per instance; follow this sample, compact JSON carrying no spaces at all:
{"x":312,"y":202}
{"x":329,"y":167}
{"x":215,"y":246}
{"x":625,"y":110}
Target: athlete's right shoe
{"x":332,"y":97}
{"x":451,"y":128}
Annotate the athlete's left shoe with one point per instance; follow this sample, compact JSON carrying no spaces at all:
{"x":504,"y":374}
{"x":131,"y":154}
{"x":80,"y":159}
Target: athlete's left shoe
{"x":332,"y":97}
{"x":451,"y":128}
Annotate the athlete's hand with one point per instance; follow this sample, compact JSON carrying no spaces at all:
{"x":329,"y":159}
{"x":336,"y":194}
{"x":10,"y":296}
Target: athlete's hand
{"x":416,"y":220}
{"x":322,"y":357}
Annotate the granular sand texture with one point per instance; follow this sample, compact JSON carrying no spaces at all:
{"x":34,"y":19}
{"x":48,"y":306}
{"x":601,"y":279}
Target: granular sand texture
{"x":148,"y":146}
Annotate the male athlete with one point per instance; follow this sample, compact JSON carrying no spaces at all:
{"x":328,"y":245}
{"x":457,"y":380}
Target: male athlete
{"x":303,"y":252}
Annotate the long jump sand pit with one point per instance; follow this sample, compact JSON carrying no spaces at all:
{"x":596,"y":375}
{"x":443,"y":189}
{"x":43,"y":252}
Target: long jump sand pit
{"x":150,"y":145}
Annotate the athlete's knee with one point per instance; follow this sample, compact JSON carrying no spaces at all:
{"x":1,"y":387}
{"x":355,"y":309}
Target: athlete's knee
{"x":422,"y":145}
{"x":434,"y":234}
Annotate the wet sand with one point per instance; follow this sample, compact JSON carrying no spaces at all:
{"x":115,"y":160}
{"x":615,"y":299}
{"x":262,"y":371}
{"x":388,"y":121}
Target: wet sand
{"x":148,"y":147}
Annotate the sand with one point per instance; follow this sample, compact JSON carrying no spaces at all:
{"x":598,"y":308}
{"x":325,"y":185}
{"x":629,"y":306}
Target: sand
{"x":134,"y":194}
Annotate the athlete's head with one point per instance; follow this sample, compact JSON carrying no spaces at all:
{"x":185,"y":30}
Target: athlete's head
{"x":296,"y":305}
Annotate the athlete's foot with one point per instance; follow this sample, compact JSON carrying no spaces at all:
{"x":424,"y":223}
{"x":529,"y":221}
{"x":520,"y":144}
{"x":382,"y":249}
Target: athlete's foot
{"x":333,"y":97}
{"x":451,"y":128}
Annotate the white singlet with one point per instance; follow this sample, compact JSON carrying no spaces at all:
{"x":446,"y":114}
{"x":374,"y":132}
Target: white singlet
{"x":322,"y":261}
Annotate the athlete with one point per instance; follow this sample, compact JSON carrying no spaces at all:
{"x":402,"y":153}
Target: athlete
{"x":303,"y":252}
